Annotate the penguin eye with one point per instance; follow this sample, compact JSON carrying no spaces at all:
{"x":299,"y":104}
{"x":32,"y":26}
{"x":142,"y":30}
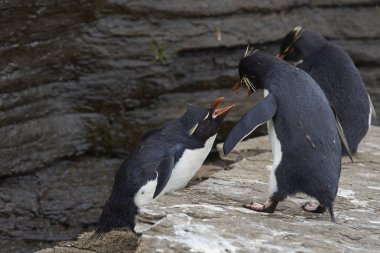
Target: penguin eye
{"x":192,"y":130}
{"x":208,"y":114}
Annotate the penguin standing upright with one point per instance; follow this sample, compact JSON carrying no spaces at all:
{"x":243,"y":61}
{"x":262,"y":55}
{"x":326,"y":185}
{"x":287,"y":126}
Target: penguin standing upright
{"x":302,"y":129}
{"x":332,"y":68}
{"x":164,"y":161}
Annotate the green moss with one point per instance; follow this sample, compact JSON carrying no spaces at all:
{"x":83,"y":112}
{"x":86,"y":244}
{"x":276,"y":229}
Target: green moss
{"x":158,"y":50}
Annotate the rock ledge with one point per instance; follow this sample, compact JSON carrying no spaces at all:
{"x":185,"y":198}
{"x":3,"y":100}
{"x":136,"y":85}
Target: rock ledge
{"x":208,"y":217}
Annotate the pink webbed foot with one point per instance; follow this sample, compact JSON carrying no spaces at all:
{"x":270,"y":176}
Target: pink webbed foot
{"x":313,"y":207}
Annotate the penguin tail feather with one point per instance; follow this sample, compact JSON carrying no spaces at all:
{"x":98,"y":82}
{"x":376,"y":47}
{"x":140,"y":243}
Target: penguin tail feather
{"x":331,"y":212}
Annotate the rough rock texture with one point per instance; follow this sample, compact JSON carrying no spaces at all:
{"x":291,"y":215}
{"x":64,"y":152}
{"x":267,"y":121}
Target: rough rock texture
{"x":208,"y":217}
{"x":82,"y":80}
{"x":51,"y":208}
{"x":55,"y":204}
{"x":116,"y":241}
{"x":72,"y":72}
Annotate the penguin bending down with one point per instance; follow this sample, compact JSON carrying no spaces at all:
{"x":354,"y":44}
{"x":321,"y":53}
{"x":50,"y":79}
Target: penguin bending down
{"x":302,"y":128}
{"x":332,"y":68}
{"x":164,"y":161}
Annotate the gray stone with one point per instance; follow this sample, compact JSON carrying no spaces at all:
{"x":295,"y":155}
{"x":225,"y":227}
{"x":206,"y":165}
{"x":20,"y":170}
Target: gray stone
{"x":81,"y":81}
{"x":208,"y":217}
{"x":78,"y":77}
{"x":53,"y":205}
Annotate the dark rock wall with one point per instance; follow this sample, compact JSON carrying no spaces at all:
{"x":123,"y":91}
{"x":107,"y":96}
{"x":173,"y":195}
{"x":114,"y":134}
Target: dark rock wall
{"x":88,"y":78}
{"x":72,"y":72}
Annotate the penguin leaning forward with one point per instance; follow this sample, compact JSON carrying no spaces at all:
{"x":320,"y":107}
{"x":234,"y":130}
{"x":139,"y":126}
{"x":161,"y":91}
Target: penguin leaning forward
{"x":305,"y":142}
{"x":332,"y":68}
{"x":165,"y":160}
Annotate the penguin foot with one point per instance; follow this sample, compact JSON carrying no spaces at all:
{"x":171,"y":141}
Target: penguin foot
{"x":313,"y":207}
{"x":268,"y":207}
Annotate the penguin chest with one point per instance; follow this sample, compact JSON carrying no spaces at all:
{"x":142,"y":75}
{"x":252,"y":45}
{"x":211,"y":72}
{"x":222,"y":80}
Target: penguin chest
{"x":276,"y":152}
{"x":145,"y":193}
{"x":183,"y":171}
{"x":186,"y":167}
{"x":277,"y":156}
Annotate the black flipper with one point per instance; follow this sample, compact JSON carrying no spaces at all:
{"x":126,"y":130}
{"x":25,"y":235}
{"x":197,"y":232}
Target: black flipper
{"x":165,"y":169}
{"x":341,"y":134}
{"x":257,"y":116}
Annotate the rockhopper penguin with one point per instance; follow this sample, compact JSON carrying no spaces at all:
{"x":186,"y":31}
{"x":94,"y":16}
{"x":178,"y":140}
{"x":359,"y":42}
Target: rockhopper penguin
{"x":332,"y":68}
{"x":305,"y":141}
{"x":164,"y":161}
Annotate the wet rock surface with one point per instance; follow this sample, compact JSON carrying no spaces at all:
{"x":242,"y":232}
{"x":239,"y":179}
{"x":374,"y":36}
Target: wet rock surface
{"x":208,"y":217}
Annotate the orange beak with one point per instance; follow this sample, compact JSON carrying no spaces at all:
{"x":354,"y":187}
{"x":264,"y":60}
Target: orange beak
{"x":236,"y":86}
{"x":249,"y":92}
{"x":281,"y":56}
{"x":221,"y":111}
{"x":217,"y":102}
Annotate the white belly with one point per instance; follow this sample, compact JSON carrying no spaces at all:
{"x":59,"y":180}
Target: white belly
{"x":276,"y":152}
{"x":188,"y":165}
{"x":371,"y":110}
{"x":145,"y":194}
{"x":370,"y":116}
{"x":183,"y":172}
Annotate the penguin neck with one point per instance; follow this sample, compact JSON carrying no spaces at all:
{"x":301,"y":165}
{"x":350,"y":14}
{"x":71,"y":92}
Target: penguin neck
{"x":266,"y":73}
{"x":315,"y":51}
{"x":312,"y":43}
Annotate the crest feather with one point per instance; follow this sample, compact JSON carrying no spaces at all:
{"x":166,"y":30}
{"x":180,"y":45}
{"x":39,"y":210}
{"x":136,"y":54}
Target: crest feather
{"x":248,"y":51}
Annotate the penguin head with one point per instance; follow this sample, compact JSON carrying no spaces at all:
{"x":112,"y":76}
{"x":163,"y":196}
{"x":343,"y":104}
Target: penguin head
{"x":202,"y":123}
{"x":253,"y":69}
{"x":298,"y":45}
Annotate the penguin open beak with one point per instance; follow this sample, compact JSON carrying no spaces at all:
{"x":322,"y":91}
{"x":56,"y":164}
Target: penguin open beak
{"x":217,"y":102}
{"x":222,"y":111}
{"x":236,"y":86}
{"x":247,"y":82}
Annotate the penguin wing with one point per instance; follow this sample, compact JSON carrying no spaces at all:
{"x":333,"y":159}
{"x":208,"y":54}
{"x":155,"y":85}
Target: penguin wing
{"x":341,"y":133}
{"x":164,"y":170}
{"x":257,"y":116}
